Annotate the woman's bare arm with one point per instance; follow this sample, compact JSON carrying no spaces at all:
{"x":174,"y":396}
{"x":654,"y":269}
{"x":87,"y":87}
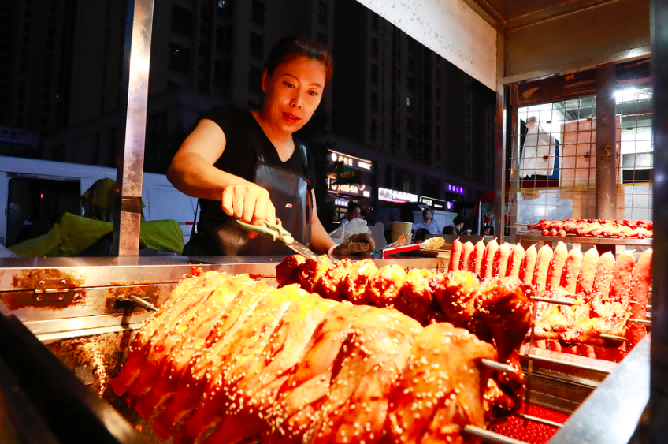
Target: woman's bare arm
{"x":192,"y":172}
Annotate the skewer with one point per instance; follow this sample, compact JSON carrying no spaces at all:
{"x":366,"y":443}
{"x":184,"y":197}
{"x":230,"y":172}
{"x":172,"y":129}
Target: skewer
{"x":529,"y":376}
{"x":556,"y":361}
{"x":612,"y":337}
{"x":498,"y":366}
{"x":142,"y":303}
{"x":640,"y":321}
{"x":490,"y":436}
{"x":554,"y":301}
{"x":648,"y":315}
{"x":540,"y":420}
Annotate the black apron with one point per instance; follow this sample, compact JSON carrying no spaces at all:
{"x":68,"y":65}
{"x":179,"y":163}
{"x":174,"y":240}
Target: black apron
{"x":291,"y":195}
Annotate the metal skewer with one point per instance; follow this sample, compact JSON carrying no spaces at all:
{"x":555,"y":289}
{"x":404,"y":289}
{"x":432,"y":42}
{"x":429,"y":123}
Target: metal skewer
{"x":559,"y":361}
{"x":553,"y":300}
{"x":498,"y":366}
{"x":640,"y":321}
{"x":490,"y":436}
{"x":612,"y":337}
{"x":142,"y":303}
{"x":540,"y":420}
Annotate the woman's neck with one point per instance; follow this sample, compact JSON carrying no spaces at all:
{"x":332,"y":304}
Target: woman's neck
{"x":281,"y":140}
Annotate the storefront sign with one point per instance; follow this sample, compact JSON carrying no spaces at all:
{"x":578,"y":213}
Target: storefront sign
{"x":350,"y":161}
{"x":352,"y":189}
{"x":389,"y":195}
{"x":454,"y":189}
{"x":436,"y":204}
{"x":341,"y":202}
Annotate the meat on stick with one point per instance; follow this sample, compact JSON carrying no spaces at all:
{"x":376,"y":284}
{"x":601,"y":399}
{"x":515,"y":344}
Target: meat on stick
{"x":455,"y":254}
{"x":488,"y":259}
{"x":571,"y":271}
{"x":528,"y":265}
{"x":515,"y":260}
{"x":556,"y":266}
{"x":465,"y":258}
{"x":475,"y":264}
{"x":501,"y":260}
{"x":588,"y":271}
{"x":640,"y":283}
{"x":604,"y":274}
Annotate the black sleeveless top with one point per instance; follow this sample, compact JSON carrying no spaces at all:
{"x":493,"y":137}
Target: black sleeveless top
{"x":240,"y":158}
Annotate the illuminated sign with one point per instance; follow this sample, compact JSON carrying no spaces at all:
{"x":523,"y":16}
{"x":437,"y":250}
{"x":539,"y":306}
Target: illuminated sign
{"x":455,"y":189}
{"x":341,"y":202}
{"x":449,"y":205}
{"x":350,"y":161}
{"x":352,"y":189}
{"x":389,"y":195}
{"x":434,"y":203}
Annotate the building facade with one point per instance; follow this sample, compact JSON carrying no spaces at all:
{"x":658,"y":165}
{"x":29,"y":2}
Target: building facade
{"x":406,"y":102}
{"x":424,"y":123}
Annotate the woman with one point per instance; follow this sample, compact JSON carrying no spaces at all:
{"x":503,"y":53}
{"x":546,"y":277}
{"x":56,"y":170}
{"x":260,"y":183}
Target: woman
{"x":247,"y":165}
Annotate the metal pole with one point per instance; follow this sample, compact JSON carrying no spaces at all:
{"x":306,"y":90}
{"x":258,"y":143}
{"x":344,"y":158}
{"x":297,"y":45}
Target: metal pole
{"x":606,"y":143}
{"x":127,"y":217}
{"x":500,"y":140}
{"x":659,"y":343}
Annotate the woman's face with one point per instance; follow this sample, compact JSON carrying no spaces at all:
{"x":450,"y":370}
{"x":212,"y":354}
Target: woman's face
{"x":293,"y":93}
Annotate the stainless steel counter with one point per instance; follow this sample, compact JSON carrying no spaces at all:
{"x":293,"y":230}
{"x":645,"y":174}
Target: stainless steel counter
{"x":70,"y":297}
{"x":610,"y":415}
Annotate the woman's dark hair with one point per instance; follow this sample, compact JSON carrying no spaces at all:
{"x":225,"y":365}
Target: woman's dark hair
{"x":457,"y":220}
{"x":294,"y":45}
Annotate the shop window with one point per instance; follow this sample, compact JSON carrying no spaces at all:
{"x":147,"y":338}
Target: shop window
{"x":374,"y":74}
{"x":222,"y":74}
{"x":373,"y":130}
{"x":410,"y":126}
{"x":182,"y":21}
{"x":256,"y":45}
{"x":225,"y":8}
{"x":257,"y":12}
{"x":375,"y":21}
{"x":427,"y":131}
{"x":180,"y":59}
{"x":254,"y":79}
{"x":224,"y":39}
{"x":322,"y":13}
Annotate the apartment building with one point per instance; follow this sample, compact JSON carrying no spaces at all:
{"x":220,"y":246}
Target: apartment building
{"x":402,"y":99}
{"x":203,"y":53}
{"x":424,"y":117}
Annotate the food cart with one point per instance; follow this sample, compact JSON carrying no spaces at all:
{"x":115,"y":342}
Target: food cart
{"x":85,"y":310}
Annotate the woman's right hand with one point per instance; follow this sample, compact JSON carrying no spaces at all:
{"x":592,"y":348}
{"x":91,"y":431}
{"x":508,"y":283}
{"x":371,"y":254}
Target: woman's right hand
{"x":249,"y":203}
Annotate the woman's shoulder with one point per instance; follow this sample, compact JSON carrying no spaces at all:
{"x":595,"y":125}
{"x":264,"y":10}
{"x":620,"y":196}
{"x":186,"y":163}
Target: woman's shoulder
{"x":225,"y":113}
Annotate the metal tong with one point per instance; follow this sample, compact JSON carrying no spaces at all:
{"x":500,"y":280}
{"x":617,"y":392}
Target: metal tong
{"x":277,"y":232}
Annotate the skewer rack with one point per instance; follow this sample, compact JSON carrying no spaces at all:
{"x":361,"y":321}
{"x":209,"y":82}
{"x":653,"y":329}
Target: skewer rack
{"x":69,"y":305}
{"x":620,"y":244}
